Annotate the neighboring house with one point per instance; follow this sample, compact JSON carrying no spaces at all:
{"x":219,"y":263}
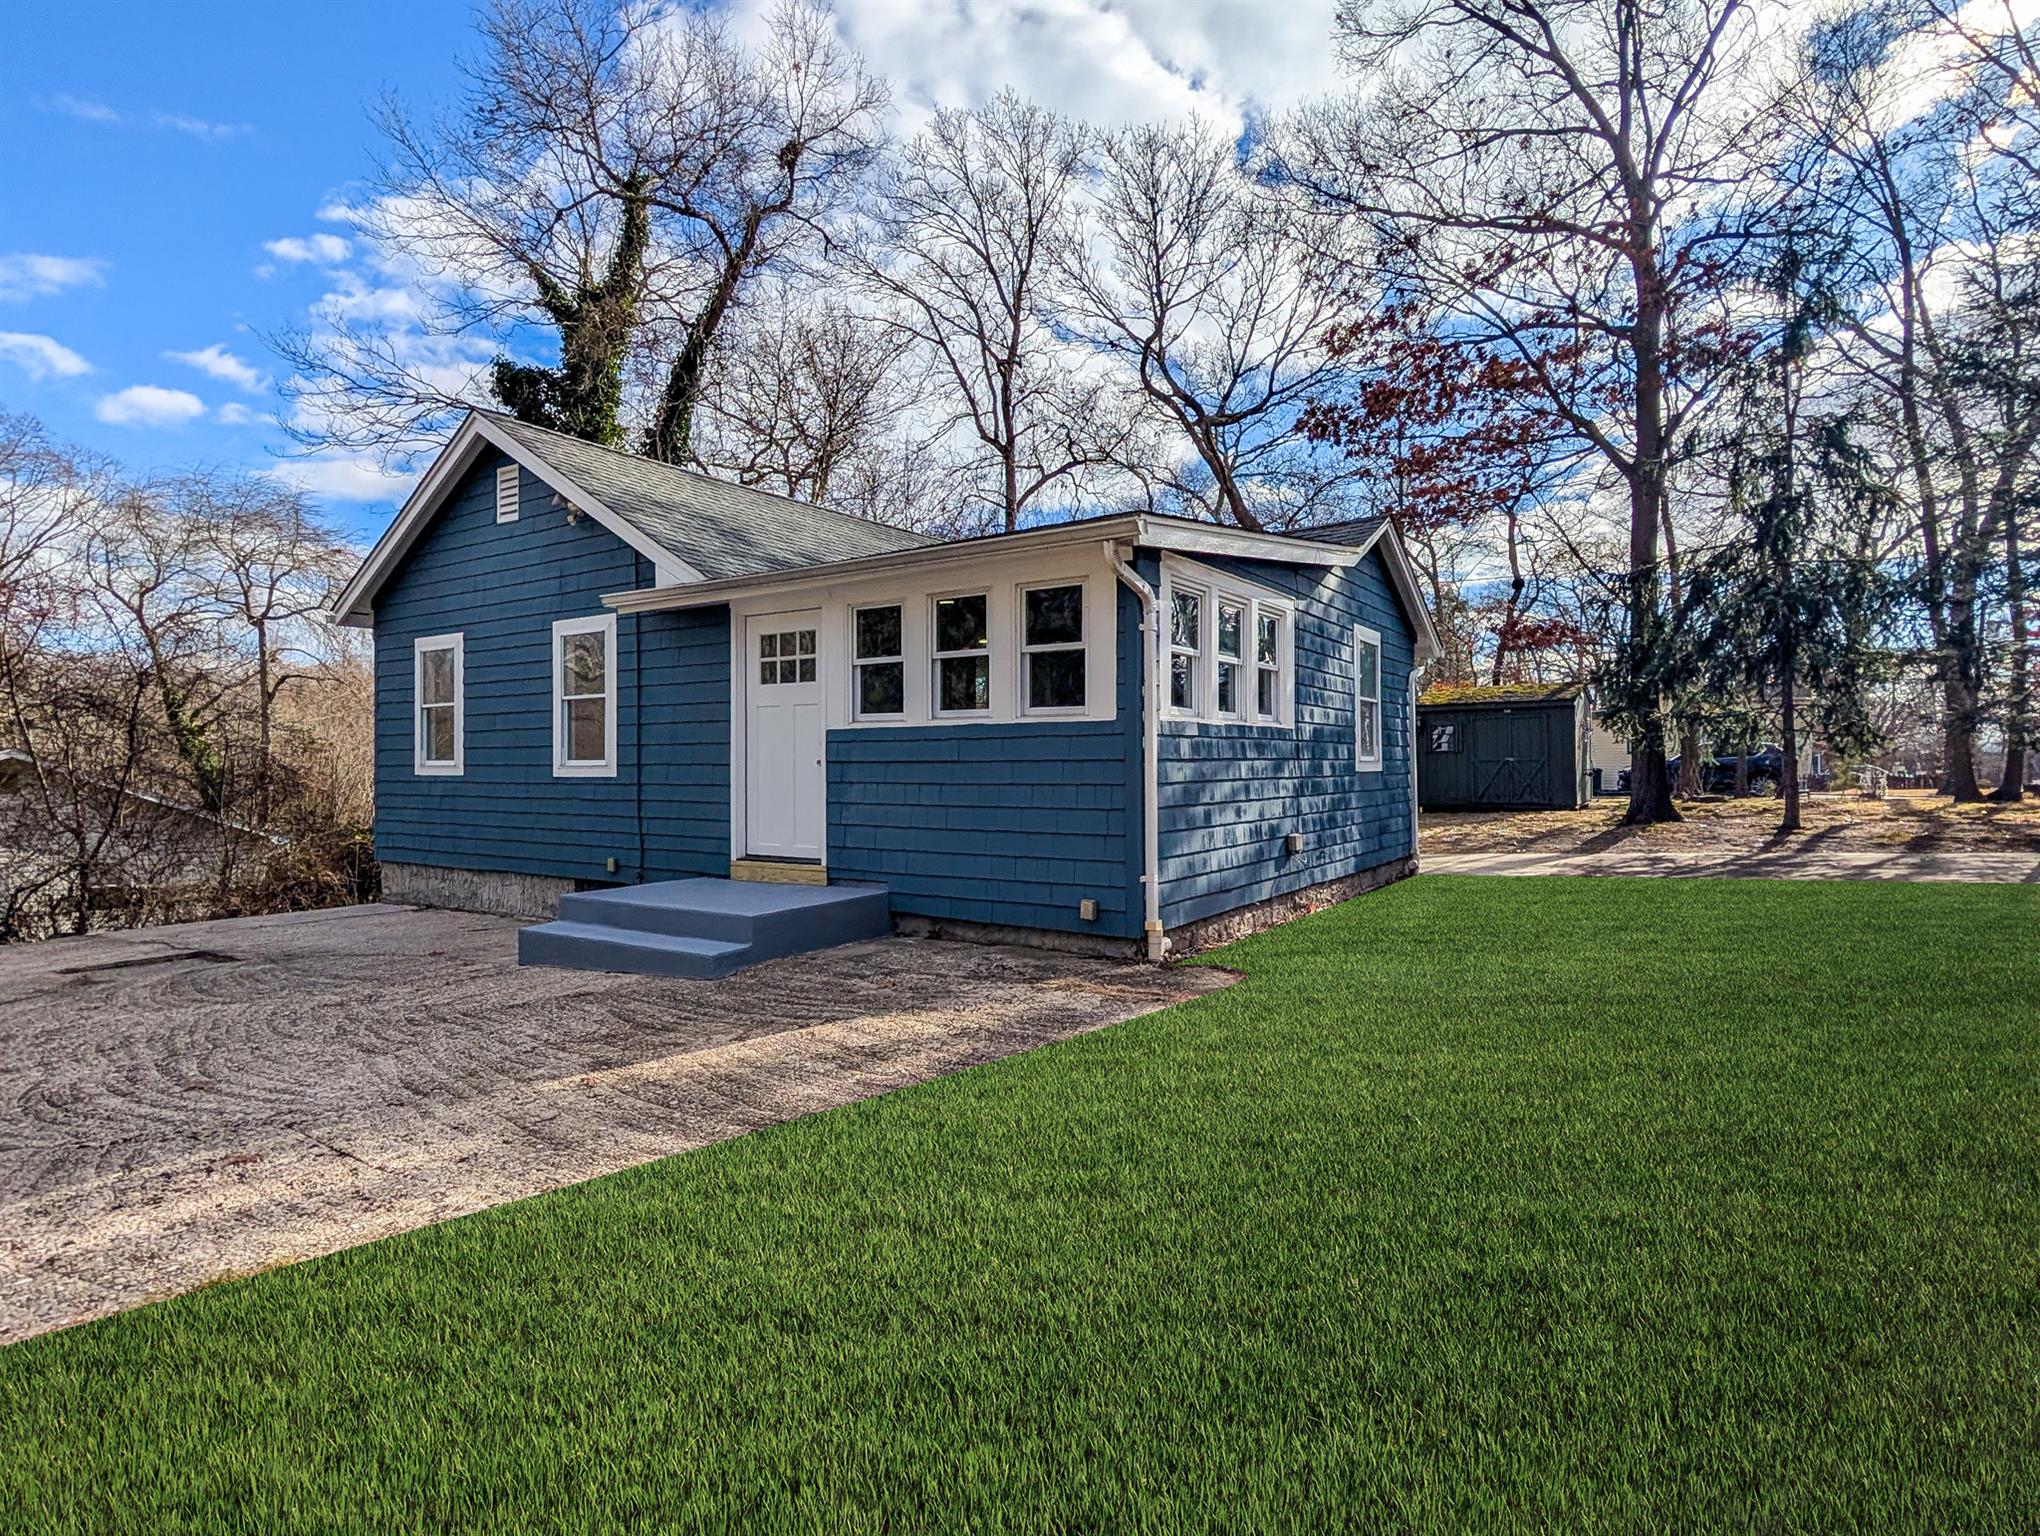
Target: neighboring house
{"x":1521,"y":747}
{"x":594,"y":669}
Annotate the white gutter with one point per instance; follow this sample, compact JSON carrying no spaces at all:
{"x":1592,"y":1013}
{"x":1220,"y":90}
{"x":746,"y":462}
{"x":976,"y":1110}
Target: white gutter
{"x":1151,"y":751}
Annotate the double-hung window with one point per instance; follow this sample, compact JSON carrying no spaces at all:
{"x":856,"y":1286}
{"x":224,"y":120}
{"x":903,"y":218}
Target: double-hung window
{"x":1366,"y":698}
{"x":1232,"y":634}
{"x":879,"y":663}
{"x":1186,"y":648}
{"x":1267,"y":666}
{"x":963,"y":655}
{"x":1052,"y":648}
{"x":437,"y":680}
{"x":584,"y":697}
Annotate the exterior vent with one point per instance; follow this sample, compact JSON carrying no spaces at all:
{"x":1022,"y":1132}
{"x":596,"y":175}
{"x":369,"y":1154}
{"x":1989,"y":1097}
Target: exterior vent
{"x":506,"y":494}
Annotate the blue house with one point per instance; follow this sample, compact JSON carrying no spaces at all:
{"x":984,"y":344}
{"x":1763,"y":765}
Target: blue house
{"x":596,"y":672}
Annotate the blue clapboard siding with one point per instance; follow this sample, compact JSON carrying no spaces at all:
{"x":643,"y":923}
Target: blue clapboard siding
{"x":1231,"y":793}
{"x":1015,"y":823}
{"x":501,"y":586}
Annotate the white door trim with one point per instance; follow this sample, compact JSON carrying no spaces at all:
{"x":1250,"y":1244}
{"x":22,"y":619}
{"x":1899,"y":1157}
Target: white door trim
{"x":741,"y":672}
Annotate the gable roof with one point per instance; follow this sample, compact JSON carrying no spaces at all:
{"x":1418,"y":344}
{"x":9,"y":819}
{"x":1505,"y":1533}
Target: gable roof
{"x":692,"y":527}
{"x":720,"y":528}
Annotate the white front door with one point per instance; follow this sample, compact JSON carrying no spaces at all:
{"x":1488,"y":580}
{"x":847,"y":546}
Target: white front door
{"x":784,"y":792}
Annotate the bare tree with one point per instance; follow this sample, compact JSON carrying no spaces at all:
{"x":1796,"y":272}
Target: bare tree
{"x":1210,"y":291}
{"x":1924,"y":160}
{"x":1549,"y":174}
{"x":806,"y":397}
{"x":614,"y":176}
{"x":967,"y":225}
{"x":270,"y":567}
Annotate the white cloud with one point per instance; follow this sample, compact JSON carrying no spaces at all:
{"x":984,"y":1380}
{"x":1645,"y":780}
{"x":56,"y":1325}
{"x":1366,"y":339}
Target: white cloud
{"x":40,"y":357}
{"x":217,"y":362}
{"x":325,"y":249}
{"x":28,"y":276}
{"x":198,"y":127}
{"x":78,"y":107}
{"x":89,"y":111}
{"x":1110,"y":62}
{"x":235,"y":414}
{"x":149,"y":405}
{"x":346,"y":477}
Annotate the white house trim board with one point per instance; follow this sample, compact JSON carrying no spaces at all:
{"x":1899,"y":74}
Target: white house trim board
{"x":457,"y":765}
{"x":603,"y":624}
{"x":353,"y":606}
{"x":1173,"y":534}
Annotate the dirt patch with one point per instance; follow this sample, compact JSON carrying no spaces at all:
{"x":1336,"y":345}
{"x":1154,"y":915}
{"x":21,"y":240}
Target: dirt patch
{"x":1842,"y":823}
{"x":173,"y":1120}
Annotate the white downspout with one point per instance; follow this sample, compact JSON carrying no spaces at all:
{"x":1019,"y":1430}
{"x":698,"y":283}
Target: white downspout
{"x":1151,"y":751}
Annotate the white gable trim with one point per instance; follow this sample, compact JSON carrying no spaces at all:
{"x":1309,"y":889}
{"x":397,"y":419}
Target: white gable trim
{"x":354,"y":606}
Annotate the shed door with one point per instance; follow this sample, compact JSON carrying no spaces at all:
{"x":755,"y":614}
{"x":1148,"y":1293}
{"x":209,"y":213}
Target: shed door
{"x":785,"y":806}
{"x":1512,"y":759}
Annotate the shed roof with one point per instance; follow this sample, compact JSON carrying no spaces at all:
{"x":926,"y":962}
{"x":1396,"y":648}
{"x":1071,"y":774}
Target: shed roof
{"x":1506,"y":693}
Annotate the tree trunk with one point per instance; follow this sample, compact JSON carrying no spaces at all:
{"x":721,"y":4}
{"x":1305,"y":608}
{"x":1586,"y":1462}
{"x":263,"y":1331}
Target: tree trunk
{"x":1692,"y":766}
{"x":2019,"y":692}
{"x":265,"y":709}
{"x":1788,"y":759}
{"x":1650,"y":791}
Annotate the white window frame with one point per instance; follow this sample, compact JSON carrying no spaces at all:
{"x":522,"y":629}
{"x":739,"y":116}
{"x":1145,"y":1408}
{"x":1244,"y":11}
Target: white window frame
{"x":1283,"y":618}
{"x":1363,"y":705}
{"x":898,"y":658}
{"x":1026,"y":652}
{"x":509,"y":486}
{"x":1213,"y":587}
{"x":420,"y":764}
{"x":937,"y":656}
{"x":1200,"y":674}
{"x":604,"y":625}
{"x":1244,"y":607}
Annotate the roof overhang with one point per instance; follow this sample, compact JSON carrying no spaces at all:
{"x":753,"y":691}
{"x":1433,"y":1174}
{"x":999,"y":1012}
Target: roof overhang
{"x":355,"y":605}
{"x":1178,"y":535}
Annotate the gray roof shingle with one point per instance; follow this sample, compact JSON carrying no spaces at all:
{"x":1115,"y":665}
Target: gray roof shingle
{"x":720,"y":529}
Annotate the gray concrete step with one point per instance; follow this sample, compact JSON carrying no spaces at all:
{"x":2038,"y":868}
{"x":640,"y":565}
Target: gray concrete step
{"x":590,"y":947}
{"x":754,"y":920}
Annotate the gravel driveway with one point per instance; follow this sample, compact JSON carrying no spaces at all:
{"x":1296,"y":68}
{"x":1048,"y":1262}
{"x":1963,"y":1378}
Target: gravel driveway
{"x":190,"y":1103}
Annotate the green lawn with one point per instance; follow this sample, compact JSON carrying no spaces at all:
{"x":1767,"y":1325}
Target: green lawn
{"x":1480,"y":1203}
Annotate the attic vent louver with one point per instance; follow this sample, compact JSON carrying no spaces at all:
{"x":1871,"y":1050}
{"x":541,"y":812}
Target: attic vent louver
{"x":506,"y":494}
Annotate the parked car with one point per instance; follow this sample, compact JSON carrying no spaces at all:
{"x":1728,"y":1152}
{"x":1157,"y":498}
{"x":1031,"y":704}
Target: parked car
{"x":1717,"y":774}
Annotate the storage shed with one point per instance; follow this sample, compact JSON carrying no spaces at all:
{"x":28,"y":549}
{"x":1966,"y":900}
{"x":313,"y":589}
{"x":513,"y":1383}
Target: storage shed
{"x":1506,"y":748}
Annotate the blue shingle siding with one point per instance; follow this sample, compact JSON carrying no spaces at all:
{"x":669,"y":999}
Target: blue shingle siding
{"x":501,"y":586}
{"x":1230,"y":793}
{"x":1013,"y":823}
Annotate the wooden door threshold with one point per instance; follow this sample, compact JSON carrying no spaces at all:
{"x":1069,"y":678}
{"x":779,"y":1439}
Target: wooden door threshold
{"x":779,"y":871}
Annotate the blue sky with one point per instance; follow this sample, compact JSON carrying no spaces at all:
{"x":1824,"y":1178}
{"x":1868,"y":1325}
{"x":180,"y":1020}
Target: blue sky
{"x":154,"y":151}
{"x":168,"y":163}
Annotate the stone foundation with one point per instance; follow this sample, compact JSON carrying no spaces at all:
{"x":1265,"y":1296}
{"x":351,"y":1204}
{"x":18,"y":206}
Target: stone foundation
{"x":474,"y":890}
{"x":1224,"y":927}
{"x":1103,"y":945}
